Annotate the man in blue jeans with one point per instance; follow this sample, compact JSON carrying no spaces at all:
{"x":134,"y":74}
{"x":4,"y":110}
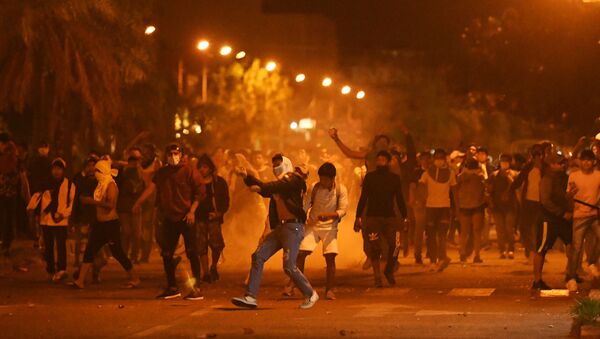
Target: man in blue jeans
{"x":287,"y":218}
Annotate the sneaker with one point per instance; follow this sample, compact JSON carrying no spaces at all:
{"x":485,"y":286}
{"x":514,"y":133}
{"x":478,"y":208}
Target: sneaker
{"x":593,"y":271}
{"x":310,"y":302}
{"x":444,"y":264}
{"x":214,"y":274}
{"x":477,"y":260}
{"x":389,"y":276}
{"x":540,"y":285}
{"x":59,"y":276}
{"x":169,"y":293}
{"x":572,"y":285}
{"x":511,"y":255}
{"x":329,"y":295}
{"x":245,"y":301}
{"x":194,"y":295}
{"x":288,"y":290}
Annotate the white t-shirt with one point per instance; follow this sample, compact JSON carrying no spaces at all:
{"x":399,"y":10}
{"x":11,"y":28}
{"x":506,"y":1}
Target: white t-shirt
{"x":588,"y":191}
{"x":438,"y":193}
{"x":326,"y":201}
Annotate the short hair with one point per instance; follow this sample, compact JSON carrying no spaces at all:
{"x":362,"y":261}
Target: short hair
{"x":471,"y":164}
{"x":327,"y":170}
{"x":385,"y":154}
{"x":587,"y":154}
{"x":381,"y":136}
{"x":277,"y":157}
{"x":439,"y":153}
{"x":174,"y":147}
{"x":482,"y":150}
{"x":506,"y":157}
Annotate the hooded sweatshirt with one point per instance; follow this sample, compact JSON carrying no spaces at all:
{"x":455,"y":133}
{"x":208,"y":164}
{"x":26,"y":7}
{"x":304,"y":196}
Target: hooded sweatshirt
{"x":438,"y":181}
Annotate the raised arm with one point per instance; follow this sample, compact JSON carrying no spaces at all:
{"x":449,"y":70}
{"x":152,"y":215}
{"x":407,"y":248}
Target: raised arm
{"x":345,"y":149}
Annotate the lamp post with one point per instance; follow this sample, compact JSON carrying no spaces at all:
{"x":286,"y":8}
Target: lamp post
{"x":202,"y":46}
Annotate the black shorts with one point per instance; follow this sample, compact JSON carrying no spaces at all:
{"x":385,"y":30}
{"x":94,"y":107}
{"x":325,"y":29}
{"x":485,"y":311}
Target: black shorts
{"x":550,"y":229}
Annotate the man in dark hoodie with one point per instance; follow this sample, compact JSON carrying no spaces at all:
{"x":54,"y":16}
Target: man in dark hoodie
{"x":287,"y":218}
{"x":210,"y":217}
{"x":556,"y":215}
{"x":380,"y":188}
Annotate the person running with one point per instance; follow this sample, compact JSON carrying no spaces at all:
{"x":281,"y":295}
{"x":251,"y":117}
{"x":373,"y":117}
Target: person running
{"x":380,"y":188}
{"x":556,"y":216}
{"x":210,"y":214}
{"x":504,"y":205}
{"x":286,"y":218}
{"x":440,"y":180}
{"x":179,"y":189}
{"x":584,"y":185}
{"x":470,"y":202}
{"x":326,"y":206}
{"x":106,"y":229}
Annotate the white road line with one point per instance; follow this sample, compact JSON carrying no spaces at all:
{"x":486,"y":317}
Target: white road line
{"x":471,"y":292}
{"x":425,"y":313}
{"x":151,"y":331}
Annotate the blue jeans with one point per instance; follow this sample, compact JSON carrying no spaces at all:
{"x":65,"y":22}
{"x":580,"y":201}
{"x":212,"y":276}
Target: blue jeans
{"x":580,"y":226}
{"x":288,"y":237}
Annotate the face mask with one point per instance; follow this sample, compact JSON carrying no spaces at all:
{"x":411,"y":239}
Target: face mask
{"x":278,"y":171}
{"x":174,"y":160}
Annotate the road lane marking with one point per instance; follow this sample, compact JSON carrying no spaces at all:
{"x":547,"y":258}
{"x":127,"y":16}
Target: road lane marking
{"x":471,"y":292}
{"x":554,"y":293}
{"x":151,"y":331}
{"x":425,"y":313}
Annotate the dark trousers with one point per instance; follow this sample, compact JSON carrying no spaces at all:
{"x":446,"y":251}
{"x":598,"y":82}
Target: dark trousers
{"x":530,"y":217}
{"x":52,"y":235}
{"x":8,"y":214}
{"x":210,"y":236}
{"x":380,"y":231}
{"x":438,"y":221}
{"x":170,"y":233}
{"x":102,"y":233}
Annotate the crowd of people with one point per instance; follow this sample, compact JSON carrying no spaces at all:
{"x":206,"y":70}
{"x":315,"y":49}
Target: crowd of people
{"x":401,"y":199}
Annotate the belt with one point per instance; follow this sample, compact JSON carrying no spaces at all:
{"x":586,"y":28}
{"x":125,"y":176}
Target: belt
{"x":291,"y":221}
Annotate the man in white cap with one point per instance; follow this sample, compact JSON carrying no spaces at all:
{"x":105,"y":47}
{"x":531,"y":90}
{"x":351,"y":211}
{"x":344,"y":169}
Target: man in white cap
{"x":287,"y":218}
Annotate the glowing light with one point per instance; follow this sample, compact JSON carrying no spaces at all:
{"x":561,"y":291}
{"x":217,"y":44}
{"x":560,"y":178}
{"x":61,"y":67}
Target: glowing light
{"x":203,"y":45}
{"x":197,"y":128}
{"x":307,"y":123}
{"x":177,"y":135}
{"x":346,"y":90}
{"x":294,"y":125}
{"x":149,"y":30}
{"x":240,"y":55}
{"x":271,"y":66}
{"x":360,"y":95}
{"x":225,"y":50}
{"x":300,"y":77}
{"x":186,"y":131}
{"x":327,"y":81}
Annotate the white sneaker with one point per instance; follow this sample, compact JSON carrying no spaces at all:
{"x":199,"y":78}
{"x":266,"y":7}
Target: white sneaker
{"x":593,"y":271}
{"x":245,"y":301}
{"x":310,"y":302}
{"x":572,"y":285}
{"x":60,"y":275}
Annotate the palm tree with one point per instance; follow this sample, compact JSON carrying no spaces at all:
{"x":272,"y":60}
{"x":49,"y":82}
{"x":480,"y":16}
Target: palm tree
{"x":68,"y":61}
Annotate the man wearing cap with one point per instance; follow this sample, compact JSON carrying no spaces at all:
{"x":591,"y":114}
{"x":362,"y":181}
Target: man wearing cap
{"x":179,"y":189}
{"x":556,"y":215}
{"x":439,"y":180}
{"x":584,"y":185}
{"x":286,"y":218}
{"x":56,"y":206}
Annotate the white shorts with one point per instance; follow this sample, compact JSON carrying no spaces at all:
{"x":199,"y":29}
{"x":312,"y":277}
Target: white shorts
{"x":313,"y":236}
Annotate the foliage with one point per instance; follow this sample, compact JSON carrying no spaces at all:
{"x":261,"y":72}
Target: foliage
{"x":586,"y":311}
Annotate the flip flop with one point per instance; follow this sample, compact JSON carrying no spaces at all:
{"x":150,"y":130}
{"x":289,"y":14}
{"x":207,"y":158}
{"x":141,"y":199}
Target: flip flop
{"x":74,"y":285}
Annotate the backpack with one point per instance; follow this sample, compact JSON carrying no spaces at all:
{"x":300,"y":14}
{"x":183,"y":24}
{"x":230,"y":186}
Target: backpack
{"x":313,"y":194}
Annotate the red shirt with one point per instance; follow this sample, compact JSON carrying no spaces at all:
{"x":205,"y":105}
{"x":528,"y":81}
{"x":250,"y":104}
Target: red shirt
{"x":177,"y":188}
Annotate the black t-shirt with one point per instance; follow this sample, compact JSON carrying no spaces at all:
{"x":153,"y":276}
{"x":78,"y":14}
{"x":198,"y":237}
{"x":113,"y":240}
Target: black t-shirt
{"x":85,"y":187}
{"x":380,"y":189}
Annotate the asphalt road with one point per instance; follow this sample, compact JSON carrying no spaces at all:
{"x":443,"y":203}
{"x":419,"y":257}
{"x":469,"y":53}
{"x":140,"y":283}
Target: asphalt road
{"x":492,"y":299}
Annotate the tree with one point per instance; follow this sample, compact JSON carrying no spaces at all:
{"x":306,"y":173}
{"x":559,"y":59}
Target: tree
{"x":68,"y":61}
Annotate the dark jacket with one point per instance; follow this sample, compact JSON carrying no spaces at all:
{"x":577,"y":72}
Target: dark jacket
{"x":471,"y":189}
{"x":502,"y":196}
{"x":553,"y":196}
{"x":290,"y":188}
{"x":217,"y":199}
{"x":177,"y":188}
{"x":380,"y":188}
{"x":523,"y":178}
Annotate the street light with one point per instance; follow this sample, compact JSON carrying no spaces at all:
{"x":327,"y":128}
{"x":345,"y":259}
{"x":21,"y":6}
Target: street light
{"x":203,"y":45}
{"x":225,"y":50}
{"x":360,"y":95}
{"x":327,"y":82}
{"x":149,"y":30}
{"x":240,"y":55}
{"x":346,"y":90}
{"x":271,"y":65}
{"x":300,"y":77}
{"x":294,"y":125}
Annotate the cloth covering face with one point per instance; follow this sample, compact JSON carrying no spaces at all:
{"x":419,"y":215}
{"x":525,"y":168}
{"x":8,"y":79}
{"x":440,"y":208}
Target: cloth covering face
{"x":105,"y":175}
